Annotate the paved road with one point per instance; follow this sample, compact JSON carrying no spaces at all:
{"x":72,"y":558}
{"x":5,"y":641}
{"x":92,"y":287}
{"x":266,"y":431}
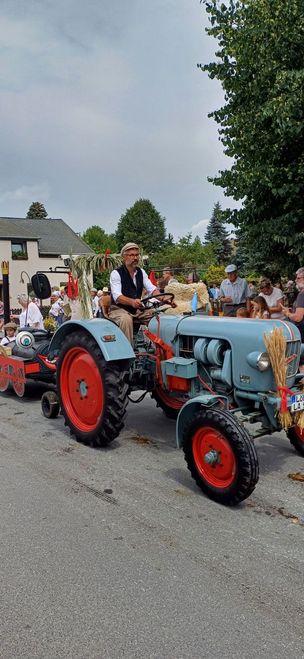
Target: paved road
{"x":116,"y":553}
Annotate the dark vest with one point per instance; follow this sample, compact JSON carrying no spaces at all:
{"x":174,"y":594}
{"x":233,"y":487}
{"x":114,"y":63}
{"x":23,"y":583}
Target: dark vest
{"x":128,"y":287}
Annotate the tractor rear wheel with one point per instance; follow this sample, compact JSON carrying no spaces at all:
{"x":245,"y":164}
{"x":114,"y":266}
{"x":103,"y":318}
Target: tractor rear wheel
{"x":220,"y":456}
{"x":296,"y":438}
{"x":92,"y":392}
{"x":170,"y":405}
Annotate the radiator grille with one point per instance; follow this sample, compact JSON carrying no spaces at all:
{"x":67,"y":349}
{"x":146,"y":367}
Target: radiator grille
{"x":293,"y":349}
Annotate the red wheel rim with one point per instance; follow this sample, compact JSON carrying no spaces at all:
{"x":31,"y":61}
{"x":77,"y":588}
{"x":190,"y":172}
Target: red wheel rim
{"x":222,"y":473}
{"x":82,"y":389}
{"x":174,"y":403}
{"x":300,"y":433}
{"x":18,"y":383}
{"x":4,"y":380}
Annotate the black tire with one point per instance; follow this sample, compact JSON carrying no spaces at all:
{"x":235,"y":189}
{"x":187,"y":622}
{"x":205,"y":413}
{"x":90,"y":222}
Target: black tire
{"x":163,"y":400}
{"x":296,"y":438}
{"x":107,"y":385}
{"x":211,"y":428}
{"x":50,"y":404}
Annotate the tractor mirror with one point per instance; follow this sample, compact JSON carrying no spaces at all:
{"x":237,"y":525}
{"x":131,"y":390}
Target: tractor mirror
{"x":41,"y":286}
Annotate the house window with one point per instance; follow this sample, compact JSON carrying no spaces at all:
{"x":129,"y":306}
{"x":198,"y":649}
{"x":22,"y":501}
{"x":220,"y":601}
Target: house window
{"x":19,"y":250}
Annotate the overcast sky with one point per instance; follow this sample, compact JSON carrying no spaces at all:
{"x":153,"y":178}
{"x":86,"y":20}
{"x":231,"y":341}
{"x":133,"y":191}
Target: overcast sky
{"x":101,"y":104}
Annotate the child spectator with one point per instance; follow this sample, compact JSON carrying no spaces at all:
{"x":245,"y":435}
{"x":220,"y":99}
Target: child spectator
{"x":242,"y":312}
{"x":260,"y":309}
{"x":9,"y":334}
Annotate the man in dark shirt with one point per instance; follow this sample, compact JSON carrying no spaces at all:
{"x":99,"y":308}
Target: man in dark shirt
{"x":296,"y":316}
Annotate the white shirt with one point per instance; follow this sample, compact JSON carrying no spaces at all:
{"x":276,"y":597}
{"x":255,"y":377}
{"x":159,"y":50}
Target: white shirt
{"x":272,"y":301}
{"x":6,"y":340}
{"x":95,"y":305}
{"x":56,"y":309}
{"x":31,"y":316}
{"x":115,"y":283}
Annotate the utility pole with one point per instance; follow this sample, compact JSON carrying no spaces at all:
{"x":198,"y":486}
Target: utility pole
{"x":5,"y":289}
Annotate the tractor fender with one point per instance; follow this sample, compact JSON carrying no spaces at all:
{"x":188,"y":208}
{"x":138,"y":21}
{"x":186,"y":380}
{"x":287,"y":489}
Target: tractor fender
{"x":112,"y":342}
{"x":191,"y":407}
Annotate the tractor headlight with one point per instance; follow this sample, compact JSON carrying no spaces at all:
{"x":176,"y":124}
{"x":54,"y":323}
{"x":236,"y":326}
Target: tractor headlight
{"x":259,"y":360}
{"x":263,"y":361}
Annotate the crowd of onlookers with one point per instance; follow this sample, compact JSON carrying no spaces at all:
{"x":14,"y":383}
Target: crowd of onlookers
{"x":234,"y":296}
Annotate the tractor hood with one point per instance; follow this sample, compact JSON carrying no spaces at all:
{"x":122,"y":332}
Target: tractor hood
{"x":243,"y":337}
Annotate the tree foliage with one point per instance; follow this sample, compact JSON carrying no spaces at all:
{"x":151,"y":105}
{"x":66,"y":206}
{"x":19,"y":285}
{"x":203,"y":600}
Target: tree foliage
{"x":217,"y":235}
{"x":260,"y":66}
{"x":142,"y":224}
{"x":186,"y":253}
{"x":99,"y":240}
{"x":36,"y":211}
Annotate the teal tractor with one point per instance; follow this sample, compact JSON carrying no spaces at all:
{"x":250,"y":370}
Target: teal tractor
{"x":213,"y":375}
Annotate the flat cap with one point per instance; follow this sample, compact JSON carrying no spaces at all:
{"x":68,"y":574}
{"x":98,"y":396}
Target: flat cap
{"x":230,"y":268}
{"x":128,"y":246}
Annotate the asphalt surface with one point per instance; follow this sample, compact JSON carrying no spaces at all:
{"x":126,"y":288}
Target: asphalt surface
{"x":116,"y":553}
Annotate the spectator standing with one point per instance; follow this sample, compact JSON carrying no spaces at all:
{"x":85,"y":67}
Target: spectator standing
{"x":296,"y":315}
{"x":56,"y":310}
{"x":168,"y":277}
{"x":274,"y":298}
{"x":234,"y":292}
{"x":30,"y":315}
{"x":94,"y":301}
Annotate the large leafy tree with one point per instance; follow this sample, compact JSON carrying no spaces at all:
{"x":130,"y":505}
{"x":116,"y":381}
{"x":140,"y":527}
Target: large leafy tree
{"x":36,"y":211}
{"x":142,"y":224}
{"x":99,"y":240}
{"x":260,"y":64}
{"x":217,"y":235}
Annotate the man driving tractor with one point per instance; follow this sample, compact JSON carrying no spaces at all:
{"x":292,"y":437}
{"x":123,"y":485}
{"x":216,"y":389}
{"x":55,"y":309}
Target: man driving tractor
{"x":127,"y":284}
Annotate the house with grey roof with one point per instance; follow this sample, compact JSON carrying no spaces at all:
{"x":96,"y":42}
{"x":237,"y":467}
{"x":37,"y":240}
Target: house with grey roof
{"x":36,"y":244}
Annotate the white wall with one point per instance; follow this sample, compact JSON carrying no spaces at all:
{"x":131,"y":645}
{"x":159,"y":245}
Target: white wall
{"x":33,"y":263}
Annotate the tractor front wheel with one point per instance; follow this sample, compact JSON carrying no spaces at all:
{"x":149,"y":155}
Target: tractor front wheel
{"x":220,"y":456}
{"x":296,"y":438}
{"x":92,"y":392}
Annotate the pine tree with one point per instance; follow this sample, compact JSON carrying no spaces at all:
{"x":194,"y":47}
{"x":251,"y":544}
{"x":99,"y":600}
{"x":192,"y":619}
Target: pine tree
{"x":217,"y":235}
{"x":36,"y":211}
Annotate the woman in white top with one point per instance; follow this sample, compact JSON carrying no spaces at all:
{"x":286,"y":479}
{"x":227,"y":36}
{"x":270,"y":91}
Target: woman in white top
{"x":30,"y":315}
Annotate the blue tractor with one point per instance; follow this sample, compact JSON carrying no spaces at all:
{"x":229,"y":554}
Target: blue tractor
{"x":212,"y":374}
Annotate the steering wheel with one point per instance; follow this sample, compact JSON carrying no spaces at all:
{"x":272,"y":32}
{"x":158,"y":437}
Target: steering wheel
{"x":155,"y":301}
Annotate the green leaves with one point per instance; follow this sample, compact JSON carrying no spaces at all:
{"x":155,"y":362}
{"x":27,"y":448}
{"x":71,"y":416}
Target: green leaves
{"x":261,"y":67}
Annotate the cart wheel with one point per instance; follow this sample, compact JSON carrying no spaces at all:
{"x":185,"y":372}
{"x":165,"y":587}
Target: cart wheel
{"x":220,"y":456}
{"x":296,"y":438}
{"x":50,"y":405}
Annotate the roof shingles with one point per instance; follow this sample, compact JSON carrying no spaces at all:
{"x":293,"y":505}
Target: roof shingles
{"x":54,"y":236}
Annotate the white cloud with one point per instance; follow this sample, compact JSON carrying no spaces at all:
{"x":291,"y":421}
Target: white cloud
{"x":200,"y":228}
{"x":27,"y":193}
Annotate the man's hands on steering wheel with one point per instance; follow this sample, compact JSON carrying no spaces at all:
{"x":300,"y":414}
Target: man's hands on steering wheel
{"x":155,"y":301}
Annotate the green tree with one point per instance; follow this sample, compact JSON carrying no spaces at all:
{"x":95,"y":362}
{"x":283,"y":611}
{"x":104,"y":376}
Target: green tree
{"x":142,"y":224}
{"x":187,"y":253}
{"x":260,"y":66}
{"x":218,"y":236}
{"x":99,"y":240}
{"x":36,"y":211}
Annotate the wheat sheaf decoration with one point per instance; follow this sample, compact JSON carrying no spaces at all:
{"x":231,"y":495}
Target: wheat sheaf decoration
{"x":275,"y":343}
{"x":82,"y":266}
